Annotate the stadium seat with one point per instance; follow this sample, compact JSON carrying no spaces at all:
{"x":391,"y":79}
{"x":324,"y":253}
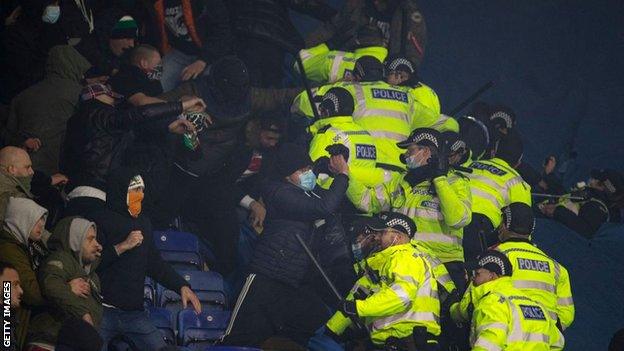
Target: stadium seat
{"x":163,"y":320}
{"x":200,"y":331}
{"x":183,"y":250}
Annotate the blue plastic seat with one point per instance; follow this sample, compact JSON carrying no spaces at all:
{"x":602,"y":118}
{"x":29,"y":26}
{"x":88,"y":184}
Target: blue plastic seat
{"x":163,"y":320}
{"x":200,"y":331}
{"x":181,"y":249}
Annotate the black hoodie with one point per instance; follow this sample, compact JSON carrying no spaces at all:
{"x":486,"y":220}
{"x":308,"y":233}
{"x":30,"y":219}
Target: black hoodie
{"x":122,"y":277}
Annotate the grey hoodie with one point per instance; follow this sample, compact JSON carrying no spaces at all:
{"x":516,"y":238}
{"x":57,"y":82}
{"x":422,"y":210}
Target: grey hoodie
{"x":21,"y":216}
{"x":77,"y":233}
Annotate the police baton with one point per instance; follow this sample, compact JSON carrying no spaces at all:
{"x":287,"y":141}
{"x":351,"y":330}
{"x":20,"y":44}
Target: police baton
{"x":556,"y":197}
{"x":320,"y":269}
{"x":471,"y":98}
{"x":306,"y":85}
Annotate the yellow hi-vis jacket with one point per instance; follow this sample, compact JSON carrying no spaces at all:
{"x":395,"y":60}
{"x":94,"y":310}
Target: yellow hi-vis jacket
{"x":362,"y":151}
{"x":504,"y":318}
{"x":324,"y":66}
{"x":440,"y":215}
{"x":426,"y":96}
{"x":541,"y":278}
{"x":440,"y":273}
{"x":389,"y":113}
{"x":495,"y":184}
{"x":405,"y":297}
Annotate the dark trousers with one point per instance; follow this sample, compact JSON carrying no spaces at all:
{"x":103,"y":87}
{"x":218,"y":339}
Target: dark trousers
{"x":207,"y":204}
{"x":267,"y":307}
{"x":478,"y":236}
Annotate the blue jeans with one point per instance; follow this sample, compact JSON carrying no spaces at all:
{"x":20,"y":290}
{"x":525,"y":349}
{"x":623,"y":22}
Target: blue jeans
{"x":173,"y":64}
{"x":134,"y":325}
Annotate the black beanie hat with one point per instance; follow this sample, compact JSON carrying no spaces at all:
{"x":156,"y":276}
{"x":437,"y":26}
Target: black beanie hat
{"x":518,"y":217}
{"x":231,"y":78}
{"x":337,"y":102}
{"x":368,"y":69}
{"x":288,"y":158}
{"x":476,"y":135}
{"x":509,"y":148}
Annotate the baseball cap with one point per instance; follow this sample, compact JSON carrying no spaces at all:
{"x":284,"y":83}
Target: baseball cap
{"x":518,"y":217}
{"x":422,"y":136}
{"x":393,"y":220}
{"x":494,"y":261}
{"x":91,"y":91}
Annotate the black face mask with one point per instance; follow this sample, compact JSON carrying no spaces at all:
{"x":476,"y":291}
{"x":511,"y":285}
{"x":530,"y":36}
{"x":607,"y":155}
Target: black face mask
{"x":418,"y":175}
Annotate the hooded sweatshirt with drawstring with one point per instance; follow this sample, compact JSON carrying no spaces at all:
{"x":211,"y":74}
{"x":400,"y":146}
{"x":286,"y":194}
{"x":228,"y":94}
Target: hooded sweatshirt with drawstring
{"x":26,"y":255}
{"x":64,"y":264}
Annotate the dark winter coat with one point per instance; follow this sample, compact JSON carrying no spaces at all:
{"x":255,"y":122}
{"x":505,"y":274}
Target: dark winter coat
{"x":123,"y":276}
{"x":99,"y":134}
{"x":290,"y":210}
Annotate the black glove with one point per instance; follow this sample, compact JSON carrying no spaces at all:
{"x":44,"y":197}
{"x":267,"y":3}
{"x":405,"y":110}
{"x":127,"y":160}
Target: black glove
{"x":440,"y":163}
{"x":348,"y":308}
{"x":338,"y":149}
{"x":321,"y":165}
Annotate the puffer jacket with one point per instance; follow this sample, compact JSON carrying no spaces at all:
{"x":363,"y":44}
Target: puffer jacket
{"x":290,"y":210}
{"x":98,"y":136}
{"x":269,"y":19}
{"x":63,"y":265}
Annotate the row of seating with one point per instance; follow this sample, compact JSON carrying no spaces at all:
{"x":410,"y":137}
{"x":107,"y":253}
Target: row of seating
{"x":196,"y":331}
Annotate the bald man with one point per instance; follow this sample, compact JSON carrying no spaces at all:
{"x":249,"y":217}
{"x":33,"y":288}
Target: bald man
{"x":16,"y":176}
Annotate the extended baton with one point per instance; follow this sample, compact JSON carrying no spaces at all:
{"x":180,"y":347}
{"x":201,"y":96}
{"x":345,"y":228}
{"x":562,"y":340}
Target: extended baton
{"x":306,"y":85}
{"x":549,"y":196}
{"x":471,"y":98}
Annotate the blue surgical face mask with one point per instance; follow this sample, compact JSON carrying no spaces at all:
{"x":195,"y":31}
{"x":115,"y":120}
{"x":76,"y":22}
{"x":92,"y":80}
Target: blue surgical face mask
{"x":307,"y":180}
{"x":51,"y":14}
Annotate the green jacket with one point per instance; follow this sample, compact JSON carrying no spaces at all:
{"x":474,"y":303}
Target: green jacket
{"x":22,"y":214}
{"x":42,"y":110}
{"x":11,"y":187}
{"x":62,"y":265}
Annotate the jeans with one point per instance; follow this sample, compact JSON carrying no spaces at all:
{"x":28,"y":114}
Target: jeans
{"x":134,"y":325}
{"x":173,"y":63}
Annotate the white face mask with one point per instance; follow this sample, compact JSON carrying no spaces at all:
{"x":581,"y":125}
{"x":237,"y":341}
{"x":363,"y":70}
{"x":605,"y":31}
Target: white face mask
{"x":51,"y":14}
{"x":416,"y":160}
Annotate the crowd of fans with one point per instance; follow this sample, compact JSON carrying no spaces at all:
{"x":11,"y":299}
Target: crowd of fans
{"x":119,"y":118}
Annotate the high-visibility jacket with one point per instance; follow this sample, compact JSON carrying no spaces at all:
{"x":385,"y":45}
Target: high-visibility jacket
{"x":389,"y":113}
{"x":439,"y":211}
{"x":440,"y":273}
{"x":362,"y":151}
{"x":505,"y":318}
{"x":541,"y":278}
{"x":326,"y":66}
{"x":495,"y":184}
{"x":405,"y":296}
{"x":426,"y":96}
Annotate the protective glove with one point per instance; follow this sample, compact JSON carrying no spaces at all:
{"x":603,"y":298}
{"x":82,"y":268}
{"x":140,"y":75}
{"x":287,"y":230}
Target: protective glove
{"x":338,"y":149}
{"x":440,"y":163}
{"x":321,"y":165}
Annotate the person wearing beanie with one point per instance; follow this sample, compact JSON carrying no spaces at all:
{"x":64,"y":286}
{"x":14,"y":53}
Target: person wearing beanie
{"x":406,"y":301}
{"x":389,"y":113}
{"x":335,"y":132}
{"x":494,"y":184}
{"x":401,"y":71}
{"x":535,"y":273}
{"x":437,"y":199}
{"x":273,"y":301}
{"x":332,"y":61}
{"x":191,"y":35}
{"x":504,"y":317}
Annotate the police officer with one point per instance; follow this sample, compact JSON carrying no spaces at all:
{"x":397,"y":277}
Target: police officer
{"x":438,"y":200}
{"x":540,"y":277}
{"x":336,"y":126}
{"x":400,"y":71}
{"x":389,"y":113}
{"x":325,"y":64}
{"x":505,"y":318}
{"x":494,"y":184}
{"x":397,"y":299}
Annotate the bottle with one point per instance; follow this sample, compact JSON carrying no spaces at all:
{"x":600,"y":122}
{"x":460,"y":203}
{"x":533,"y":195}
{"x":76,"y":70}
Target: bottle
{"x":191,"y":141}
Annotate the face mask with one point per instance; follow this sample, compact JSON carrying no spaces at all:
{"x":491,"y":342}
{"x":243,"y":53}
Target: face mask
{"x":358,"y":254}
{"x":155,"y":73}
{"x":307,"y":180}
{"x":25,"y":181}
{"x":51,"y":14}
{"x":134,"y":203}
